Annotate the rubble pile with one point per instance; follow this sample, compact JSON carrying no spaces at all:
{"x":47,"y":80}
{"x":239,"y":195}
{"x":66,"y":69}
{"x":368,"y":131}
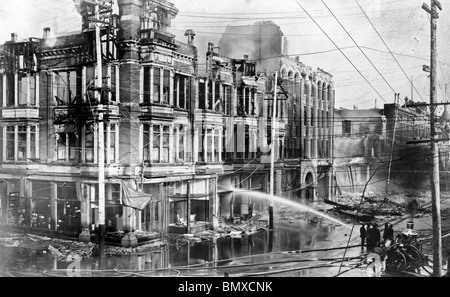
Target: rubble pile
{"x":284,"y":214}
{"x":69,"y":251}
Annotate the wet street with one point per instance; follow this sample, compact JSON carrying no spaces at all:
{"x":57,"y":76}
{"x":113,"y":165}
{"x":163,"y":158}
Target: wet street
{"x":305,"y":248}
{"x":264,"y":253}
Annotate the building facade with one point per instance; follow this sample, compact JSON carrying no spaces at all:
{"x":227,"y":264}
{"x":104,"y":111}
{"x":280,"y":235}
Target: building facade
{"x":390,"y":143}
{"x":305,"y":104}
{"x":195,"y":142}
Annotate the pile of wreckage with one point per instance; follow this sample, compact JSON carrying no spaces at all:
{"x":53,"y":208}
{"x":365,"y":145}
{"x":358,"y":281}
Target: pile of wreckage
{"x":367,"y":208}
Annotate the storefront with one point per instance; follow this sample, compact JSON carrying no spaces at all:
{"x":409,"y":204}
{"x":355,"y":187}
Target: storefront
{"x":190,"y":206}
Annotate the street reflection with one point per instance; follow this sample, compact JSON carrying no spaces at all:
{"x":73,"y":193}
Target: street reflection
{"x":219,"y":252}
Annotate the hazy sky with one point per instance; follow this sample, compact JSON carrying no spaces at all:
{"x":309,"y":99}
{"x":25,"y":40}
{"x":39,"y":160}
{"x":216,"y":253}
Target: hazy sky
{"x":403,"y":24}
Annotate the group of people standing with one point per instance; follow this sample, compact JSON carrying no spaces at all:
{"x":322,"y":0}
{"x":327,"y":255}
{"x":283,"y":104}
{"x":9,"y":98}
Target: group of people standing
{"x":372,"y":236}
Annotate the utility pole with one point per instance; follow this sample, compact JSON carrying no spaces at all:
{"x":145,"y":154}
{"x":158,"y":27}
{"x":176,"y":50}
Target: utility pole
{"x":397,"y":97}
{"x":272,"y":151}
{"x":101,"y":143}
{"x":435,"y":187}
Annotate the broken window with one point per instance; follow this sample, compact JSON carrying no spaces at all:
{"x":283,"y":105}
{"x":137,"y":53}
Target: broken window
{"x":347,"y":127}
{"x":65,"y":87}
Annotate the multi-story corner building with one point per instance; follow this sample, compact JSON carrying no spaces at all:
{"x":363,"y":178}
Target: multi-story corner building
{"x":49,"y":160}
{"x":180,"y":145}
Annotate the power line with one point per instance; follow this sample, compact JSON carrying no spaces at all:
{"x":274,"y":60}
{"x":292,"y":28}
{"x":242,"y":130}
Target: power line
{"x":341,"y":51}
{"x":379,"y":35}
{"x":358,"y":46}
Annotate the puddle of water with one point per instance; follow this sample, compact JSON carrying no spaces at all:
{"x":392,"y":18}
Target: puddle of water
{"x":284,"y":237}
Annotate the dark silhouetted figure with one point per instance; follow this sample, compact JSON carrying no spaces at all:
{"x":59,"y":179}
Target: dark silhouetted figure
{"x":385,"y":231}
{"x":362,"y":234}
{"x":369,"y":239}
{"x":390,"y":235}
{"x":376,"y":236}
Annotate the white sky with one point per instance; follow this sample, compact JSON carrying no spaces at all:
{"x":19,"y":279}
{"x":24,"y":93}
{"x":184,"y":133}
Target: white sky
{"x":403,"y":24}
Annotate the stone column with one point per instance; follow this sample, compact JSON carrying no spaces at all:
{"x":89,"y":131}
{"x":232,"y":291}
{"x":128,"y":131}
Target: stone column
{"x":85,"y":206}
{"x":53,"y":205}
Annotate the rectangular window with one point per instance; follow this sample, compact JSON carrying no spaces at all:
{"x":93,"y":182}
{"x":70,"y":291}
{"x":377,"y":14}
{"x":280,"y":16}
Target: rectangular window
{"x":10,"y":89}
{"x":113,"y":83}
{"x":156,"y":85}
{"x":201,"y":95}
{"x":33,"y":142}
{"x":247,"y":95}
{"x":210,"y":95}
{"x":10,"y":142}
{"x":66,"y":87}
{"x":182,"y":93}
{"x":216,"y":146}
{"x":156,"y":216}
{"x":89,"y":145}
{"x":146,"y":143}
{"x":66,"y":146}
{"x":209,"y":147}
{"x":23,"y":88}
{"x":218,"y":100}
{"x":347,"y":127}
{"x":181,"y":144}
{"x":73,"y":145}
{"x":156,"y":143}
{"x":166,"y":87}
{"x":305,"y":116}
{"x":201,"y":138}
{"x":227,"y":100}
{"x":165,"y":144}
{"x":146,"y":84}
{"x":112,"y":143}
{"x":61,"y":146}
{"x":22,"y":143}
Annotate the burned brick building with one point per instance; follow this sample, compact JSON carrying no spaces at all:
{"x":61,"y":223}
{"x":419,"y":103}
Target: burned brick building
{"x":304,"y":144}
{"x":182,"y":143}
{"x":49,"y":160}
{"x":390,"y":143}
